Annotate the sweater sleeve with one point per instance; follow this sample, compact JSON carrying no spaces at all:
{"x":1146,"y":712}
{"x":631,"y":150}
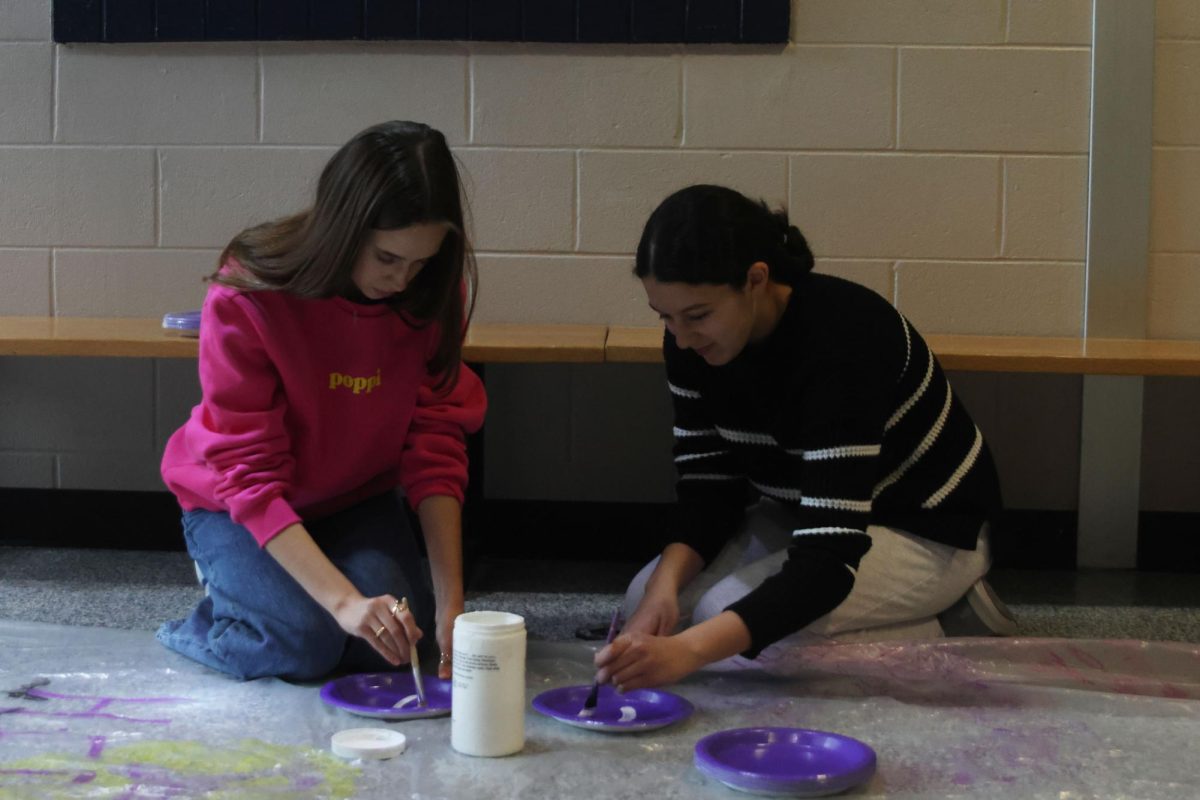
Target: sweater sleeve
{"x":434,"y":461}
{"x":828,"y":471}
{"x":710,"y":486}
{"x":240,"y":432}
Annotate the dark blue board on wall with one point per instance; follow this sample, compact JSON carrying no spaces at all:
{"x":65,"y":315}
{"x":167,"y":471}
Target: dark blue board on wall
{"x":661,"y":21}
{"x":129,"y":21}
{"x":610,"y":21}
{"x":179,"y":21}
{"x":228,"y":20}
{"x":494,"y":20}
{"x":390,"y":19}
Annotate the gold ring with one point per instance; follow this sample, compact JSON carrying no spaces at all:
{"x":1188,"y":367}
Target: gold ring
{"x":399,"y":606}
{"x":379,"y":632}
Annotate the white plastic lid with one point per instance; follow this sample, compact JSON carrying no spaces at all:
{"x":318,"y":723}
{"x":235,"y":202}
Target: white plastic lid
{"x":489,"y":622}
{"x":377,"y":743}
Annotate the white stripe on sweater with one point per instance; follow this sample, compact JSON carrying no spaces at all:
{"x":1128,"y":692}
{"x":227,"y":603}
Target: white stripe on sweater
{"x":941,"y":494}
{"x":778,"y":492}
{"x":912,"y":401}
{"x":816,"y":531}
{"x":694,"y":456}
{"x":679,"y":391}
{"x":829,"y":453}
{"x":797,"y":496}
{"x":907,"y":344}
{"x":683,"y":433}
{"x":837,"y":503}
{"x":747,"y":437}
{"x":922,"y":448}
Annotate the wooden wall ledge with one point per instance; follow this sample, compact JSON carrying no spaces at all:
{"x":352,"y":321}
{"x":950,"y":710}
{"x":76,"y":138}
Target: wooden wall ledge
{"x":995,"y":353}
{"x":89,"y":336}
{"x":145,"y":338}
{"x":581,"y":344}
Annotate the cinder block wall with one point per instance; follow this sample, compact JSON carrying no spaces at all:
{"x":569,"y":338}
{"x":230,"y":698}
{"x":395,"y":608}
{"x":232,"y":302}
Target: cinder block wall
{"x":1171,"y":439}
{"x":932,"y":150}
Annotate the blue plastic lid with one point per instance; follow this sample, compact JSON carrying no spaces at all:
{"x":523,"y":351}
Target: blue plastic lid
{"x":182,"y":321}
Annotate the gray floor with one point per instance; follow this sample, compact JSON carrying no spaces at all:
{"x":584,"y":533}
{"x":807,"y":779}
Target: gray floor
{"x":137,"y":590}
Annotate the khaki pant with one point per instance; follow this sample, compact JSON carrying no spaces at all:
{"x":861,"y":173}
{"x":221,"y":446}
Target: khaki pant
{"x":902,"y":584}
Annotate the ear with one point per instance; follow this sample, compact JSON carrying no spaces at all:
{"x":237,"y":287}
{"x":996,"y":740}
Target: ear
{"x":758,"y":275}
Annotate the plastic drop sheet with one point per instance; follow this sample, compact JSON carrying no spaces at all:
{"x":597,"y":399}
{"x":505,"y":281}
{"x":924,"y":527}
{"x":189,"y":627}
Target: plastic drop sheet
{"x":102,"y":713}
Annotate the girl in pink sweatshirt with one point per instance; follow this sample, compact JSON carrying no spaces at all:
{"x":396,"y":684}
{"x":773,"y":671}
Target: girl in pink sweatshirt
{"x":331,"y":371}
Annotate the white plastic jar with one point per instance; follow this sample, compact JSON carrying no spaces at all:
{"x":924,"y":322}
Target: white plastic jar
{"x":487,"y":699}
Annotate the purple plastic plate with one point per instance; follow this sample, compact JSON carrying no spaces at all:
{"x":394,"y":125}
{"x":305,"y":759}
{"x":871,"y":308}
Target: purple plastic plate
{"x":785,"y":762}
{"x":387,"y":695}
{"x":634,"y":711}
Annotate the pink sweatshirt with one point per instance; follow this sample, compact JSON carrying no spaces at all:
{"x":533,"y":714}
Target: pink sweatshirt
{"x":310,"y":406}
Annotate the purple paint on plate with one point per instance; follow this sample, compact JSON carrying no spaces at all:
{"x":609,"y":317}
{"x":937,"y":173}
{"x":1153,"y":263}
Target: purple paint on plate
{"x":387,"y":695}
{"x":633,"y":711}
{"x":785,"y":761}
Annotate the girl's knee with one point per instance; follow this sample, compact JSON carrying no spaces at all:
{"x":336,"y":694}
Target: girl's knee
{"x":262,"y":649}
{"x":312,"y":660}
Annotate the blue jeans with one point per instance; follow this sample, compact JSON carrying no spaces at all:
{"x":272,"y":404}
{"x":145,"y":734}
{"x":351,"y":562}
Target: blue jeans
{"x":257,"y":621}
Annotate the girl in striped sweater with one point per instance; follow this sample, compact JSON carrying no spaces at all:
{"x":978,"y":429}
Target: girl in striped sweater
{"x":830,"y":484}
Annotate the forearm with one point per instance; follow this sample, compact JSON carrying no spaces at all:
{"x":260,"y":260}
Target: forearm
{"x":299,"y":555}
{"x":678,"y":565}
{"x":720,"y":637}
{"x":441,"y":524}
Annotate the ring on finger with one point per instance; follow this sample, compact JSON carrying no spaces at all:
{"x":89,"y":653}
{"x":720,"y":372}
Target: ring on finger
{"x":444,"y":659}
{"x":399,"y":606}
{"x":379,"y":632}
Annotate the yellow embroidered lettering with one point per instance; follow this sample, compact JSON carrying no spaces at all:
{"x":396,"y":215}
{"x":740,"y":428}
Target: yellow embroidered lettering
{"x":356,"y":385}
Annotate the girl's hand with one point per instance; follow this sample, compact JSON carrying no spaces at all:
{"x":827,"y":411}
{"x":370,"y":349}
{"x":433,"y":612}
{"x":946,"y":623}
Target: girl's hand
{"x":384,"y":623}
{"x":639,"y":660}
{"x":445,"y":636}
{"x":656,"y":615}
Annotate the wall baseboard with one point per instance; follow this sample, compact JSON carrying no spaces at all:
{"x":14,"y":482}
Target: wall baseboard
{"x":550,"y":530}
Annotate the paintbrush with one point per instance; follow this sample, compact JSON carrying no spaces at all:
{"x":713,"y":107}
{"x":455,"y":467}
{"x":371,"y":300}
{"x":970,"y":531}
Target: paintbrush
{"x":415,"y":663}
{"x":594,"y":695}
{"x":413,"y":660}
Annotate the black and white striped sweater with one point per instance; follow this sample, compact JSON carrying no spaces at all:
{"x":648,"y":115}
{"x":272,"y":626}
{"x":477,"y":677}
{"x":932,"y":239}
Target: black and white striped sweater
{"x":843,"y":414}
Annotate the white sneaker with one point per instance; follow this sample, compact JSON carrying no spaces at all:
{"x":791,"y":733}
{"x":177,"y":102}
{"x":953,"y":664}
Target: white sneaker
{"x":979,"y":613}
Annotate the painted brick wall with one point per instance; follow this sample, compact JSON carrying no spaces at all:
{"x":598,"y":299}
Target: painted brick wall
{"x":1175,"y":213}
{"x":1171,"y":438}
{"x":934,"y":150}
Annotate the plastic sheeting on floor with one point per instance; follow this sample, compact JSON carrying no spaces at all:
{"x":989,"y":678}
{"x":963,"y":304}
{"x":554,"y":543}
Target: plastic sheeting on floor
{"x":89,"y":712}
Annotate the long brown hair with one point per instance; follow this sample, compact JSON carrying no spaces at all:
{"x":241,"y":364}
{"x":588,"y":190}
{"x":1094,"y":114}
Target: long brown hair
{"x":389,"y":176}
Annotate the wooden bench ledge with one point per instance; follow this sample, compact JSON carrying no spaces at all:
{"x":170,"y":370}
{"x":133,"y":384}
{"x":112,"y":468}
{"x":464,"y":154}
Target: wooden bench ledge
{"x":145,"y":338}
{"x":995,"y":353}
{"x":548,"y":343}
{"x":494,"y":343}
{"x":91,"y":336}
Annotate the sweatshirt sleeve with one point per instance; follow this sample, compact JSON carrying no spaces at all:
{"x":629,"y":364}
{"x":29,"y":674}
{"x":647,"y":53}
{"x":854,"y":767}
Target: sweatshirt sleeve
{"x":828,"y":477}
{"x":710,"y":487}
{"x":240,"y":432}
{"x":434,"y":461}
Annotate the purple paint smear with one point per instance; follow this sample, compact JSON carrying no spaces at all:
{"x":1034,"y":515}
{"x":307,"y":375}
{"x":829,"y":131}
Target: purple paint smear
{"x":97,"y":746}
{"x":25,"y":712}
{"x":106,"y":700}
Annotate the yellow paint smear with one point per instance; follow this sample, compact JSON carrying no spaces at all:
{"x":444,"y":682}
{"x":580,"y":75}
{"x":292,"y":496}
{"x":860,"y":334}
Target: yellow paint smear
{"x":247,"y":770}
